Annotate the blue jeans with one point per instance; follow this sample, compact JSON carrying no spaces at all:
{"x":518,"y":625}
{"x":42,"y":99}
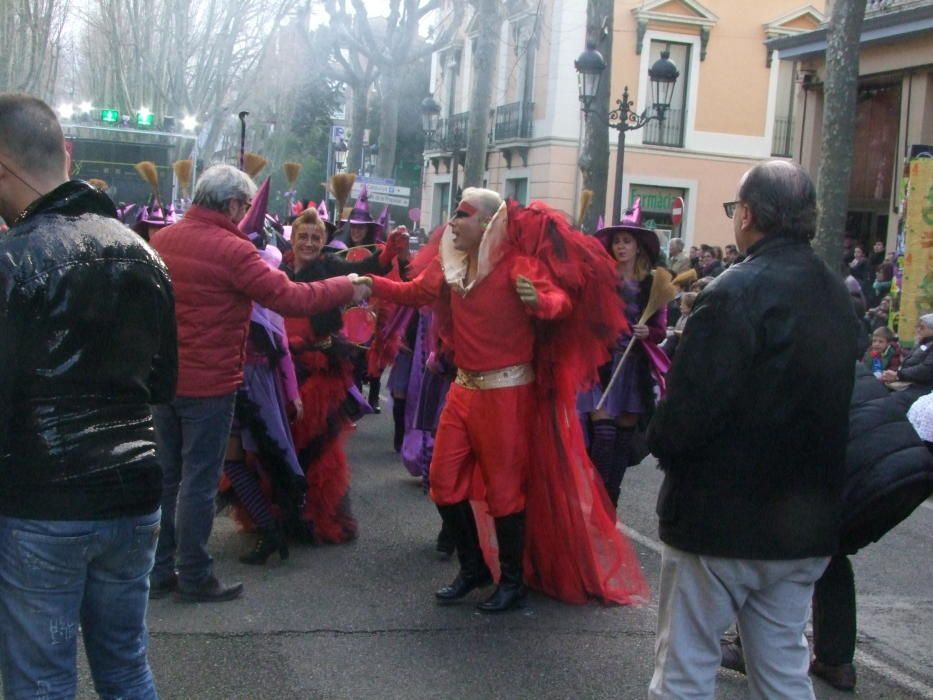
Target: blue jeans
{"x":57,"y":574}
{"x":191,"y":434}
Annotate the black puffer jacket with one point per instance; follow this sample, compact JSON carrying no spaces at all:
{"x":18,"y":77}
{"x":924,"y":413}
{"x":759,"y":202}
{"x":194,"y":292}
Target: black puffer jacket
{"x":917,"y":366}
{"x":752,"y":433}
{"x":889,"y":471}
{"x":87,"y":342}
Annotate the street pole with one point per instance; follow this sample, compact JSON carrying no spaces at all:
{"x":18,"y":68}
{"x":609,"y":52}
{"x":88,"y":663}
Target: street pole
{"x":620,"y":163}
{"x":455,"y":164}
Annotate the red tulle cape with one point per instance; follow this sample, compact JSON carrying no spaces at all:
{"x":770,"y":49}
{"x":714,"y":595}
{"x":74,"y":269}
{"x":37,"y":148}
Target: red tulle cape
{"x":574,"y":548}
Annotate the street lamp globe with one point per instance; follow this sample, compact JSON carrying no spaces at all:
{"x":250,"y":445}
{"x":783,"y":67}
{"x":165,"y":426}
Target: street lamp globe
{"x":590,"y":66}
{"x":663,"y":75}
{"x":340,"y":154}
{"x":189,"y":123}
{"x":430,"y":114}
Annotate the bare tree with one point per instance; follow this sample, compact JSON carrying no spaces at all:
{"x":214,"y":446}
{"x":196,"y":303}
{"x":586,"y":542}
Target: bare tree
{"x":594,"y":158}
{"x":484,"y":61}
{"x":377,"y":50}
{"x":31,"y":45}
{"x":841,"y":87}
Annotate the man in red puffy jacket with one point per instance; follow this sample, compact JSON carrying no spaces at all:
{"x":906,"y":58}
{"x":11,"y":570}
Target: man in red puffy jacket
{"x":217,"y":274}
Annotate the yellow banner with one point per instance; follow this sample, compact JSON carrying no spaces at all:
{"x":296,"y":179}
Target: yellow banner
{"x":917,"y":284}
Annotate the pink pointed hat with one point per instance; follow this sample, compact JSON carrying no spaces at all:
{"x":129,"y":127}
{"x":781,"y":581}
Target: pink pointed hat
{"x":255,"y":219}
{"x":153,"y":214}
{"x":324,"y":216}
{"x":631,"y":223}
{"x":383,"y":224}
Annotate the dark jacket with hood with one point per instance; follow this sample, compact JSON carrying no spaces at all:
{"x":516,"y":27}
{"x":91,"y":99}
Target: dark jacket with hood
{"x":752,"y":433}
{"x":87,"y":343}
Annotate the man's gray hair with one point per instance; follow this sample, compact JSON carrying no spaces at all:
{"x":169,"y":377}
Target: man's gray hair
{"x":927,"y":320}
{"x":676,"y":244}
{"x":487,"y":201}
{"x":221,"y":183}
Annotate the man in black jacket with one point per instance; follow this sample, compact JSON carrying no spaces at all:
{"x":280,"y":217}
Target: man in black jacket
{"x":87,"y":343}
{"x":752,"y":437}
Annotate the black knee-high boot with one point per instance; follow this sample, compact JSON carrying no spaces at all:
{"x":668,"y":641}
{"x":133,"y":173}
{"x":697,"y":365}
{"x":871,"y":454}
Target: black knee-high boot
{"x":398,"y":416}
{"x":619,"y":463}
{"x":459,"y":521}
{"x":510,"y":593}
{"x":375,"y":383}
{"x":602,"y":447}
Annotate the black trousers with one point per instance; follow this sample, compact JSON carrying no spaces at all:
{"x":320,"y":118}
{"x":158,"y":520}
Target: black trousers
{"x":834,"y":624}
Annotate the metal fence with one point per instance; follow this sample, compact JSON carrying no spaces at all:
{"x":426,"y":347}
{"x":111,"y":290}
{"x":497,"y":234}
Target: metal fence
{"x":513,"y":121}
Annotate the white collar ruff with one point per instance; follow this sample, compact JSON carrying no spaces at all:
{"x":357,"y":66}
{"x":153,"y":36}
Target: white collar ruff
{"x":491,"y":249}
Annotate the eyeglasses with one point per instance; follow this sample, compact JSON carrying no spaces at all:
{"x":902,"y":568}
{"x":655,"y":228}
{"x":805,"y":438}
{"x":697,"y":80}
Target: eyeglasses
{"x":729,"y":207}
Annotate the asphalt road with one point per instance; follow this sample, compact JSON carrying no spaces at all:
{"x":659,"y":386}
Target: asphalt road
{"x":359,"y":621}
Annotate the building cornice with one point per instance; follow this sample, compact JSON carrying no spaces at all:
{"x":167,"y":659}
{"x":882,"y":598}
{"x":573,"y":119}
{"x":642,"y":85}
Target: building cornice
{"x":880,"y":28}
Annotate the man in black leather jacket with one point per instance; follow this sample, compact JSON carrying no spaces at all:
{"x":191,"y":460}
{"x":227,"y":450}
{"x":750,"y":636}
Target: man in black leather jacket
{"x":752,"y":438}
{"x":87,"y":343}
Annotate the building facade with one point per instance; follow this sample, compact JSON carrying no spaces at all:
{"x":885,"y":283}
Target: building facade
{"x":733,"y":105}
{"x":894,"y":108}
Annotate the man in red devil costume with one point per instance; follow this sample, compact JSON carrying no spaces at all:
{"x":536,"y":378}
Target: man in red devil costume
{"x":525,"y":305}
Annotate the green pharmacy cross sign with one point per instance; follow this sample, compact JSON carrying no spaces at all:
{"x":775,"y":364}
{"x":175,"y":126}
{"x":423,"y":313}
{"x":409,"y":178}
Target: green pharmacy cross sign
{"x":109,"y":116}
{"x":145,"y":119}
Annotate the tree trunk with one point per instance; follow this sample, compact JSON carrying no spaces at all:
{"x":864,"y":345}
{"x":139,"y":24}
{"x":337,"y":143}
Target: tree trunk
{"x":360,"y":104}
{"x":388,"y":129}
{"x":841,"y":87}
{"x":594,"y":159}
{"x":484,"y":71}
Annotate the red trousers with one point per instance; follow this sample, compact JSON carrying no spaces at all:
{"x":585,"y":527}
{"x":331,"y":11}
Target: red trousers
{"x":483,"y":440}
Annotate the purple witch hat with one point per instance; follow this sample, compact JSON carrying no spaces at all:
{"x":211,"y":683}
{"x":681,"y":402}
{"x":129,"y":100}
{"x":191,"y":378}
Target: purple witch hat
{"x":253,"y":223}
{"x":153,"y":214}
{"x":360,"y":212}
{"x":324,"y":216}
{"x":631,"y":223}
{"x":382,"y":224}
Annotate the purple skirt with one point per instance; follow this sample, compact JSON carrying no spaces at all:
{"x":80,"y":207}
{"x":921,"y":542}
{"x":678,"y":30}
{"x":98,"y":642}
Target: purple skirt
{"x":626,"y":395}
{"x":399,"y":374}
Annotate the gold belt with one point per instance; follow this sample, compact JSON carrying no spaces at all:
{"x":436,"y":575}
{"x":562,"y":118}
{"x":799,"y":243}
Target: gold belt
{"x":516,"y":375}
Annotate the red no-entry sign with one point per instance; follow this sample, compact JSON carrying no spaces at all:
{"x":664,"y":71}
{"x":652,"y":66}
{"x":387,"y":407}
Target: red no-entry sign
{"x":677,"y":210}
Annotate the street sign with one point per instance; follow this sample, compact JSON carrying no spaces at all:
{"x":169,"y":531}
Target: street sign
{"x":337,"y":133}
{"x":109,"y":116}
{"x":389,"y":199}
{"x":373,"y":188}
{"x":677,"y":210}
{"x":370,"y":180}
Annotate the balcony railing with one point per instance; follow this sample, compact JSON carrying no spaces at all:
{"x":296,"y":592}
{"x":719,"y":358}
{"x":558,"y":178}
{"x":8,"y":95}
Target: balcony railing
{"x":513,"y":121}
{"x":782,"y":139}
{"x":451,"y":133}
{"x":873,"y":7}
{"x":670,"y":134}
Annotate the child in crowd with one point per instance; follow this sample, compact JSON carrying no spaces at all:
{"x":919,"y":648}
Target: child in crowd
{"x":884,"y":352}
{"x":669,"y":346}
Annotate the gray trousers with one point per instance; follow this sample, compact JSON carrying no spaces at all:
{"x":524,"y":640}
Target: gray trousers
{"x":702,"y":596}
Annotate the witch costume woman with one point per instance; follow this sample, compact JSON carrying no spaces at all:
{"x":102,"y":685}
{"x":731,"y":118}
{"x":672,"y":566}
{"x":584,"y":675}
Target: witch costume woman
{"x":616,"y":431}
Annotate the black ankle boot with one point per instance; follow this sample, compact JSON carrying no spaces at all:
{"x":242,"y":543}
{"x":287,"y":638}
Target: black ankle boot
{"x":269,"y":540}
{"x":510,"y":593}
{"x":473,"y":574}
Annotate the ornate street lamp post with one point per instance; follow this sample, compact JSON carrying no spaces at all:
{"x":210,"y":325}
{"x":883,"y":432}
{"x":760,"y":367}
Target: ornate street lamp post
{"x":663,"y":76}
{"x":430,"y":121}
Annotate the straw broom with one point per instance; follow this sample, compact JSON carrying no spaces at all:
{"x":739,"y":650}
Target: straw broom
{"x":183,"y":170}
{"x":253,"y":163}
{"x":147,"y":171}
{"x":663,"y":292}
{"x":291,"y":170}
{"x":685,"y":277}
{"x":340,"y":186}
